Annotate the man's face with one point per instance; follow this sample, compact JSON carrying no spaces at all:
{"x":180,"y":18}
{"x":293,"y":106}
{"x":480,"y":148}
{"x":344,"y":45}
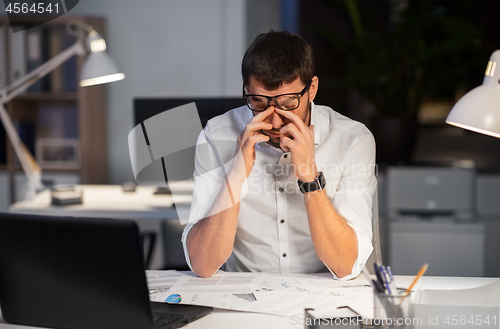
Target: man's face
{"x":278,"y":121}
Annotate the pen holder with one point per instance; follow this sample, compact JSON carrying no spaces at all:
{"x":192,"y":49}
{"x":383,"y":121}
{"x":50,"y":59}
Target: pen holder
{"x":393,"y":311}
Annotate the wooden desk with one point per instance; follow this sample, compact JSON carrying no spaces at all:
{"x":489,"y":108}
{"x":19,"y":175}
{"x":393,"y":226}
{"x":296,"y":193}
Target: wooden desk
{"x":109,"y":201}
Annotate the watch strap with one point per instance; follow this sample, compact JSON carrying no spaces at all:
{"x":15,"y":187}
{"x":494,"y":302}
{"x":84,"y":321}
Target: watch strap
{"x":317,"y":184}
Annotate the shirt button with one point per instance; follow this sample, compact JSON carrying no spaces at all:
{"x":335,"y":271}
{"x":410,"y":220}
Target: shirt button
{"x":284,"y":254}
{"x":281,"y":189}
{"x":285,"y":156}
{"x":282,"y":221}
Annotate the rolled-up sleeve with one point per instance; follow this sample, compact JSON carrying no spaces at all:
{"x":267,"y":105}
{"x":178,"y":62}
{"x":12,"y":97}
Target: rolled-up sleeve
{"x":354,"y":196}
{"x":207,"y":183}
{"x":213,"y":158}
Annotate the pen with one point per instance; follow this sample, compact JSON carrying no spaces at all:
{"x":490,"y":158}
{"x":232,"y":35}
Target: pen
{"x":386,"y":278}
{"x":378,"y":274}
{"x":393,"y":282}
{"x":389,"y":270}
{"x":378,"y":287}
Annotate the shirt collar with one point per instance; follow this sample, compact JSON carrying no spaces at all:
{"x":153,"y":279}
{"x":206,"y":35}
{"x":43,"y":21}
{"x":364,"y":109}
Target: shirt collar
{"x":316,"y":122}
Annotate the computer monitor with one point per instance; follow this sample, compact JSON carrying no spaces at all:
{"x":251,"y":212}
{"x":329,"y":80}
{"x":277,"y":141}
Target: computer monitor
{"x":145,"y":108}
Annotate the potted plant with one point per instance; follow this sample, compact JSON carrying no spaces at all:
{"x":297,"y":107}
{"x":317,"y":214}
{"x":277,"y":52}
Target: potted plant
{"x":423,"y":52}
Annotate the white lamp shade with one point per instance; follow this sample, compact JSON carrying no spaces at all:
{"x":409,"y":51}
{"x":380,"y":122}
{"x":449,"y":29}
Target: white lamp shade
{"x":479,"y":109}
{"x":99,"y":68}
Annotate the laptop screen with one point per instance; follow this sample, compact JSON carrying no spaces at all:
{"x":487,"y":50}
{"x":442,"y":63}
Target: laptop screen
{"x":72,"y":273}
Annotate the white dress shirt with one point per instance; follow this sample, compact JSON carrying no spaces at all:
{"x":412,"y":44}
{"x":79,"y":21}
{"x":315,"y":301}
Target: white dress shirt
{"x":273,"y":232}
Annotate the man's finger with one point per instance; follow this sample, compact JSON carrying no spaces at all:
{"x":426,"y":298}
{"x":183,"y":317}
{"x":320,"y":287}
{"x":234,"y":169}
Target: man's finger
{"x":293,"y":131}
{"x":255,"y":126}
{"x":252,"y":140}
{"x":286,"y":144}
{"x":295,"y":119}
{"x":251,"y":129}
{"x":260,"y":116}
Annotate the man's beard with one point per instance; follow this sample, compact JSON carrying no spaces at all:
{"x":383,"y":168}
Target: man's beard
{"x":270,"y":142}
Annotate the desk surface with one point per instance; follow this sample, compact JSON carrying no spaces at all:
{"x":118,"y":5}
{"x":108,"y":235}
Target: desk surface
{"x":232,"y":319}
{"x":222,"y":319}
{"x":109,"y":201}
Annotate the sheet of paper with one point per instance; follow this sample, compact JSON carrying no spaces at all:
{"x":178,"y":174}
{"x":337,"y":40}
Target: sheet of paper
{"x":224,"y":300}
{"x":221,"y":282}
{"x":279,"y":294}
{"x":322,"y":299}
{"x":293,"y":281}
{"x":161,"y":281}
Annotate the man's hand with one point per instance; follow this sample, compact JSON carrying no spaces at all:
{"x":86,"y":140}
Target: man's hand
{"x":251,"y":136}
{"x":301,"y":145}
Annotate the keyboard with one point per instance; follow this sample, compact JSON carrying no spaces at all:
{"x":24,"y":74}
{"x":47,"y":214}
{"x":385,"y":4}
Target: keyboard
{"x":161,"y":320}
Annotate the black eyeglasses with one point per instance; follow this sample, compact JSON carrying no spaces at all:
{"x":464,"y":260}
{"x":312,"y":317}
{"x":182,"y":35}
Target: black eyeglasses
{"x":285,"y":102}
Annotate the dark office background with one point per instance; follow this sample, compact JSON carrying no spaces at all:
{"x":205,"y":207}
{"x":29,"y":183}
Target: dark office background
{"x":399,"y":66}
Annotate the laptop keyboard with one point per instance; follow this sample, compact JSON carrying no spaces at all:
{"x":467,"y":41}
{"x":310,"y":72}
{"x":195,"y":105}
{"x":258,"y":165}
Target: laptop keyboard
{"x":162,"y":319}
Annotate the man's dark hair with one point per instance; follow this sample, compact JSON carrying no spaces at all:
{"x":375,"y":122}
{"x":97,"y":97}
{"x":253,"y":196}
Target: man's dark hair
{"x":278,"y":58}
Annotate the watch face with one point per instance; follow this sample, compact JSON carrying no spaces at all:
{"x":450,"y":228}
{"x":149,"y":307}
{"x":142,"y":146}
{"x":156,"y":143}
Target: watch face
{"x":322,"y":180}
{"x":317,"y":184}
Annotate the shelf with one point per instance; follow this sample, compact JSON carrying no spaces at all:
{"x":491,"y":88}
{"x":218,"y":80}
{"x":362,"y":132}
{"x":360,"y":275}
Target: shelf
{"x":48,"y":96}
{"x":20,"y":170}
{"x":61,"y":170}
{"x":86,"y":106}
{"x":42,"y":113}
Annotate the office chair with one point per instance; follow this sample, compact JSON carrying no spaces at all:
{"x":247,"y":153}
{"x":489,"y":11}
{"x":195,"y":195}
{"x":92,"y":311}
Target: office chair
{"x":173,"y":252}
{"x":148,"y":242}
{"x":376,"y":255}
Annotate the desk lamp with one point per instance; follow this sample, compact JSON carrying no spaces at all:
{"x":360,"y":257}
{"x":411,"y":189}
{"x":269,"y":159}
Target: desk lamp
{"x":479,"y":109}
{"x":98,"y":68}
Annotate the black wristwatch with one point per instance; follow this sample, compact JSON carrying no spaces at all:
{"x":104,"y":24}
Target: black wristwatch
{"x":317,"y":184}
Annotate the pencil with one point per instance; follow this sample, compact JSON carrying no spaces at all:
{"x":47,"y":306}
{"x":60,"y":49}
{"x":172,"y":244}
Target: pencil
{"x":419,"y":275}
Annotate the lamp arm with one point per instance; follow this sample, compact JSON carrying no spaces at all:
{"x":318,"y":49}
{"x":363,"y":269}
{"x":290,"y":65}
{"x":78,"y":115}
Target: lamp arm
{"x":28,"y":162}
{"x":10,"y":92}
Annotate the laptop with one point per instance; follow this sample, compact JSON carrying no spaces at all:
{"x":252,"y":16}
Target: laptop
{"x":79,"y":273}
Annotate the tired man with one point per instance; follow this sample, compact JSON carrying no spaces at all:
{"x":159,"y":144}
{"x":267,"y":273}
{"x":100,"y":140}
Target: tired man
{"x":296,"y":197}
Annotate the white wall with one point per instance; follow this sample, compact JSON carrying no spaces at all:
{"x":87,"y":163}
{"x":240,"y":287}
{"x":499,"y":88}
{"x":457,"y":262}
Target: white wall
{"x":170,"y":48}
{"x":173,"y":48}
{"x":262,"y":16}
